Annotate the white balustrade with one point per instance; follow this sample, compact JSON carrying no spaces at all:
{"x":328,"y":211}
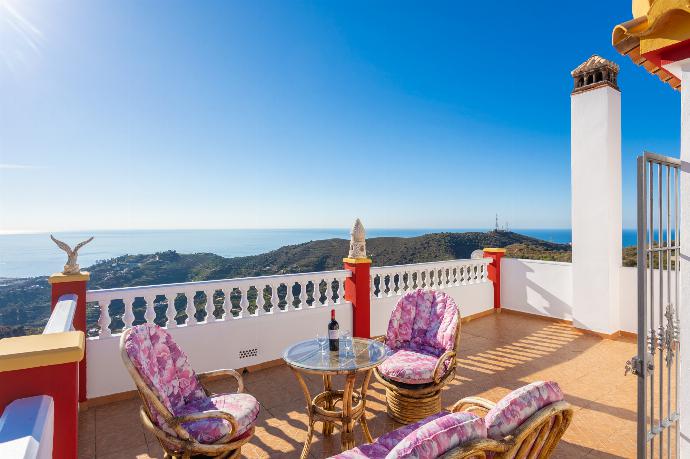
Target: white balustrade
{"x":241,"y":289}
{"x":437,"y":275}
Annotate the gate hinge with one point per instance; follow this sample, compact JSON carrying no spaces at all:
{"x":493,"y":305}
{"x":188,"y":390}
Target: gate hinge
{"x":636,"y":366}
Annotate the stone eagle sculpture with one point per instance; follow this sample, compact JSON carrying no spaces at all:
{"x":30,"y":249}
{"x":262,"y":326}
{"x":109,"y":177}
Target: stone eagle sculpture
{"x":71,"y":267}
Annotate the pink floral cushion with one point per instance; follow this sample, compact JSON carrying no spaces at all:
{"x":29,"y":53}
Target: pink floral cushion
{"x":515,"y":408}
{"x":438,"y":436}
{"x":366,"y":451}
{"x":391,"y":439}
{"x":424,"y":321}
{"x":166,"y":370}
{"x":409,"y":367}
{"x":163,"y":366}
{"x":243,"y":407}
{"x":381,"y":448}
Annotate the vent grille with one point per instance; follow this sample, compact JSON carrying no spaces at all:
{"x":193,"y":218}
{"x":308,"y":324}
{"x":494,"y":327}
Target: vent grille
{"x":247,"y":353}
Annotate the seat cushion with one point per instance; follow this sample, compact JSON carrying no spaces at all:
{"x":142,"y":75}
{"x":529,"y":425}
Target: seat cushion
{"x":382,"y":446}
{"x":409,"y":367}
{"x":391,"y":439}
{"x":516,"y":407}
{"x":423,"y":319}
{"x":366,"y":451}
{"x":243,"y":407}
{"x":438,"y":436}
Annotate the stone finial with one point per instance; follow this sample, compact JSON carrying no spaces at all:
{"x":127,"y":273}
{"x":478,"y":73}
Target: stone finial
{"x":71,"y":267}
{"x":358,"y":244}
{"x":594,"y":73}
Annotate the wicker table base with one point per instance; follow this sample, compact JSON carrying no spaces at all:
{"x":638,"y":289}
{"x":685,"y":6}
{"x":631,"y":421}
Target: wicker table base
{"x":322,"y":408}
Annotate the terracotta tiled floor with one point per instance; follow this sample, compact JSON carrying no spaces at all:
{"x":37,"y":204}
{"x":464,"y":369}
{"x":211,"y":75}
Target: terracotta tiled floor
{"x":498,"y":353}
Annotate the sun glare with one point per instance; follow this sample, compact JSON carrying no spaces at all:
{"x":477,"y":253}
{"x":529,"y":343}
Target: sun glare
{"x":20,"y":38}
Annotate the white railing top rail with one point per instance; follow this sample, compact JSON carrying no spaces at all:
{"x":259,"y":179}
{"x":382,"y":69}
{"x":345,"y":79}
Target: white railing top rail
{"x":430,"y":265}
{"x":62,"y":317}
{"x":93,"y":295}
{"x":26,"y":428}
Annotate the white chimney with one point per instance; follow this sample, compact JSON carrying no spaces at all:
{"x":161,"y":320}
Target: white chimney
{"x":595,"y":155}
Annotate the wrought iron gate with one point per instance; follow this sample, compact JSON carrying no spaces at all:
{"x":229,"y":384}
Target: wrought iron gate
{"x":658,"y":256}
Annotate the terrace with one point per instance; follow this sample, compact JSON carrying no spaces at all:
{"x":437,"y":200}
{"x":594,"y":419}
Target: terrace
{"x":500,"y":352}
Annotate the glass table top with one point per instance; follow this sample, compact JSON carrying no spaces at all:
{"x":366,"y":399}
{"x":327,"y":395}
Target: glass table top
{"x":362,"y":355}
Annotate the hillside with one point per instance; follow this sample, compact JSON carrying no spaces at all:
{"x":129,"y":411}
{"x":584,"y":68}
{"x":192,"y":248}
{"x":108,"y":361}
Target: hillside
{"x":24,"y":303}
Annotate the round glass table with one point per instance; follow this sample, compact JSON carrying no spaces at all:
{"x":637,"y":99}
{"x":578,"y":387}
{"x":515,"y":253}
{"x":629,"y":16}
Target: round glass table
{"x":362,"y":357}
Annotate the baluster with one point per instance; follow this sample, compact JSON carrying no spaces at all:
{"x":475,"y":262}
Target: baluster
{"x":104,"y":318}
{"x":340,"y":291}
{"x":447,"y":274}
{"x":244,"y":302}
{"x":128,"y":316}
{"x":210,"y":306}
{"x":150,"y":314}
{"x":190,"y":309}
{"x":289,"y":297}
{"x":317,"y":294}
{"x":171,"y":312}
{"x":274,"y":298}
{"x":372,"y":286}
{"x":327,"y":293}
{"x":260,"y":301}
{"x":302,"y":295}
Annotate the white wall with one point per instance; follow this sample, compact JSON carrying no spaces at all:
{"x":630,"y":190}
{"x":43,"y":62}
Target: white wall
{"x":545,"y":288}
{"x":537,"y":287}
{"x":216,"y":345}
{"x":471,"y":299}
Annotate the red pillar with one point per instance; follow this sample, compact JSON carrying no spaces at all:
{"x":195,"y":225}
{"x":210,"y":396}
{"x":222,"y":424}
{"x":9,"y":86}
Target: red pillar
{"x":63,"y":284}
{"x":495,"y":272}
{"x":357,"y":291}
{"x":57,"y":381}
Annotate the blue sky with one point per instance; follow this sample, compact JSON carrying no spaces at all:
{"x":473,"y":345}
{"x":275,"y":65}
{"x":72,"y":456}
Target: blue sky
{"x":157,"y":114}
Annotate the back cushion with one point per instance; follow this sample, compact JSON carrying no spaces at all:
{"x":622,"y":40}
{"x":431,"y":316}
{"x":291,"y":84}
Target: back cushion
{"x":425,"y":321}
{"x":439,"y":436}
{"x":163,"y":366}
{"x":515,"y":408}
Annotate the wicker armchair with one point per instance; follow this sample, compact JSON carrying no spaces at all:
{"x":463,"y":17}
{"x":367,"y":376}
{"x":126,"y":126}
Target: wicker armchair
{"x":534,"y":432}
{"x":186,"y":418}
{"x":424,"y":335}
{"x":527,"y":423}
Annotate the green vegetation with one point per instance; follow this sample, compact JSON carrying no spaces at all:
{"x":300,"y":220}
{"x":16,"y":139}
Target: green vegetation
{"x":24,"y":303}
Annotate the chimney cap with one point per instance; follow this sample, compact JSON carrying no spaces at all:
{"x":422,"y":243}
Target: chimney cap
{"x":594,"y":73}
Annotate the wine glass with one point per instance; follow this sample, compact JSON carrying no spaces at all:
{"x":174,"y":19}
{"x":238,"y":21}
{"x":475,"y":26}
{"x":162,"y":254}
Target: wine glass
{"x":347,"y":341}
{"x":321,"y":339}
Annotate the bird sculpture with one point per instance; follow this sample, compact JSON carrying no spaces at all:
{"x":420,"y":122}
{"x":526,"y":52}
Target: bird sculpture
{"x":71,"y":267}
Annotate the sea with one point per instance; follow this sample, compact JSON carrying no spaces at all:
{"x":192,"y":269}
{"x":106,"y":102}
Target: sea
{"x":34,"y":254}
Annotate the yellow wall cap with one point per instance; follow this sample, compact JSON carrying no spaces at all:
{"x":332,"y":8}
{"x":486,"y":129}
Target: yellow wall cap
{"x":355,"y":261}
{"x":59,"y":277}
{"x":494,"y":250}
{"x":23,"y":352}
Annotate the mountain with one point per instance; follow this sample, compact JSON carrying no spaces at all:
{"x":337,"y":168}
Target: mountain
{"x":24,"y":303}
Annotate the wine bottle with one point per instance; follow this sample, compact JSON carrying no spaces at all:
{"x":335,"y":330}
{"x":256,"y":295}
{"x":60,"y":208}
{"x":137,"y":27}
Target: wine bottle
{"x":333,"y":342}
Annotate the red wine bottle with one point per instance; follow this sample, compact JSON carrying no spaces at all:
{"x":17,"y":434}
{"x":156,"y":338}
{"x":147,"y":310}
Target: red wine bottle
{"x":333,"y":342}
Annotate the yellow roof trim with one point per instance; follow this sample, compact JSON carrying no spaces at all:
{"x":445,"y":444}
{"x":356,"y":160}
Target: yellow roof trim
{"x":494,"y":250}
{"x":657,"y":24}
{"x":354,"y":261}
{"x":60,"y":277}
{"x":23,"y":352}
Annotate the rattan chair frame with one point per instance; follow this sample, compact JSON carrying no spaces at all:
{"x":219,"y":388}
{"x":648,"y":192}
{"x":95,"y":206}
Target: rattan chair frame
{"x":542,"y":430}
{"x":183,"y":445}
